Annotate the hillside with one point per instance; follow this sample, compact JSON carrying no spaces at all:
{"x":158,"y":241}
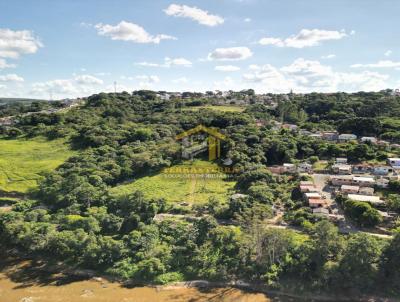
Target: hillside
{"x":111,"y":208}
{"x":191,"y":190}
{"x":23,"y":161}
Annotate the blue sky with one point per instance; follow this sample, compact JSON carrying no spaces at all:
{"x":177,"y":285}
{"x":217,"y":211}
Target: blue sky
{"x":76,"y":48}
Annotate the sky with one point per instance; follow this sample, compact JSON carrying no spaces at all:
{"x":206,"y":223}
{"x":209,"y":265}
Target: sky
{"x":73,"y":48}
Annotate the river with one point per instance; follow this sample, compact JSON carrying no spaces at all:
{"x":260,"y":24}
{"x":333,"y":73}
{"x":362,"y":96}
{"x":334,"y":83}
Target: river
{"x":29,"y":281}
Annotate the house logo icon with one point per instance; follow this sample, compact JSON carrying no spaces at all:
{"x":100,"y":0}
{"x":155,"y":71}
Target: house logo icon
{"x":197,"y":140}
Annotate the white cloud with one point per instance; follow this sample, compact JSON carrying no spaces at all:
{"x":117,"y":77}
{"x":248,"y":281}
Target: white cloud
{"x":388,"y":53}
{"x":127,"y":31}
{"x":177,"y":62}
{"x":78,"y":85}
{"x":147,"y":81}
{"x":330,"y":56}
{"x":168,"y":62}
{"x":379,"y":64}
{"x":182,"y":80}
{"x":15,"y":43}
{"x":194,"y":13}
{"x":305,"y":38}
{"x":3,"y":86}
{"x":102,"y":74}
{"x":230,"y":54}
{"x":88,"y":79}
{"x":11,"y":78}
{"x":307,"y":76}
{"x":254,"y":67}
{"x":227,"y":68}
{"x":225,"y":84}
{"x":247,"y":20}
{"x":4,"y":64}
{"x":60,"y":87}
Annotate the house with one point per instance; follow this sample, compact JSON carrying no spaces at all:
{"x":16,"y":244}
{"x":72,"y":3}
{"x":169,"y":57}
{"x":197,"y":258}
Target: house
{"x":382,"y":170}
{"x":306,"y":183}
{"x":369,"y":139}
{"x":320,"y":211}
{"x":371,"y":199}
{"x":305,"y":132}
{"x":382,"y":143}
{"x":316,"y":135}
{"x":304,"y":167}
{"x":341,"y":160}
{"x":291,"y":127}
{"x":347,"y":137}
{"x":394,"y":161}
{"x":382,"y":182}
{"x":329,"y":135}
{"x":276,"y":169}
{"x":362,"y":168}
{"x":289,"y":168}
{"x":316,"y":203}
{"x":363,"y":181}
{"x":341,"y":169}
{"x":341,"y":180}
{"x":260,"y":123}
{"x":308,"y":189}
{"x":347,"y":189}
{"x":312,"y":195}
{"x":238,"y":196}
{"x":366,"y":191}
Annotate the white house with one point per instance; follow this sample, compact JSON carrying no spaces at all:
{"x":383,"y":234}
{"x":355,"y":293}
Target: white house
{"x":394,"y":161}
{"x":365,"y":198}
{"x":304,"y":167}
{"x":341,"y":169}
{"x":289,"y":168}
{"x":347,"y":137}
{"x":341,"y":160}
{"x":382,"y":182}
{"x":370,"y":139}
{"x":363,"y":181}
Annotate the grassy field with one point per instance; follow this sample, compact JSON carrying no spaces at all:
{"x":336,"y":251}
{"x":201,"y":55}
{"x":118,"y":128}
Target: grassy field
{"x":22,"y":161}
{"x":191,"y":190}
{"x":217,"y":108}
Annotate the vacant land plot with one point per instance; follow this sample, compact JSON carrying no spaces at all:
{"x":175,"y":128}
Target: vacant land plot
{"x":218,"y":108}
{"x":23,"y":161}
{"x":185,"y":189}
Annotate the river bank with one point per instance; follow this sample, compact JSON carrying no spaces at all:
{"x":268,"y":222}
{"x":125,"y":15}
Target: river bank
{"x":31,"y":281}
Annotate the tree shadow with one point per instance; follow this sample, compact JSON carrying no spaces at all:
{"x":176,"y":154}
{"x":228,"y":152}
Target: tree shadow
{"x":27,"y":273}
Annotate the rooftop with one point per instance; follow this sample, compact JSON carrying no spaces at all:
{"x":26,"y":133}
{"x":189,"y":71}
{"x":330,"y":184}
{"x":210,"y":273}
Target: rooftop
{"x":366,"y":198}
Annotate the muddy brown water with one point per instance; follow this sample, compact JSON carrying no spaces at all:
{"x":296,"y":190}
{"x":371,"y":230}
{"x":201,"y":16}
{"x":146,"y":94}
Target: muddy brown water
{"x":30,"y":281}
